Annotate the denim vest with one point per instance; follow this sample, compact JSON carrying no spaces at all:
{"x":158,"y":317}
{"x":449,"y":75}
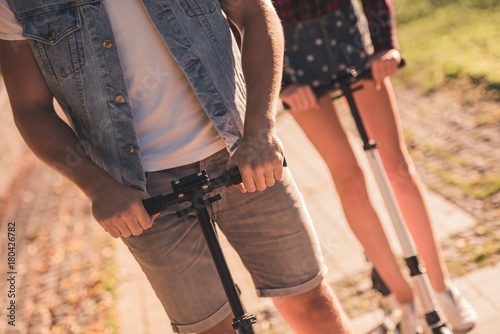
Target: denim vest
{"x":73,"y":43}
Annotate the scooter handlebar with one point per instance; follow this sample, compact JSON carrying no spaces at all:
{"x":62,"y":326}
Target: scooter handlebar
{"x":230,"y":177}
{"x":156,"y":204}
{"x":350,"y":76}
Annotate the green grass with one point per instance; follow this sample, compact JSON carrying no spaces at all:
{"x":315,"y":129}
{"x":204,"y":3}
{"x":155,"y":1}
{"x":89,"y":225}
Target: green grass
{"x":478,"y":186}
{"x":448,"y":41}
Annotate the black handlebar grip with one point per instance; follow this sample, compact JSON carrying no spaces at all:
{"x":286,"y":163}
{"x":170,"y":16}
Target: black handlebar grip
{"x":233,"y":176}
{"x":153,"y":205}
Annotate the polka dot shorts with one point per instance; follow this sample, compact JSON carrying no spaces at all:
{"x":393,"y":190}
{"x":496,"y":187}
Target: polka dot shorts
{"x":318,"y":48}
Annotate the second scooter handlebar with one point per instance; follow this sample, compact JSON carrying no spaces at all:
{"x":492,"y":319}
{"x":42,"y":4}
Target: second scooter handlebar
{"x":347,"y":77}
{"x":350,"y":75}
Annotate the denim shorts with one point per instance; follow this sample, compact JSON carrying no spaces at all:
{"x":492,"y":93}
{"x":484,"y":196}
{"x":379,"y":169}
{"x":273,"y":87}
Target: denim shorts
{"x":271,"y":231}
{"x":318,"y":48}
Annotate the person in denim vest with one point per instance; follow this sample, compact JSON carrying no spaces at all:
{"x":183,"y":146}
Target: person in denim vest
{"x":154,"y":91}
{"x":323,"y":38}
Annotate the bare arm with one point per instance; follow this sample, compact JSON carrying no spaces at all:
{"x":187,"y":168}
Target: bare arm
{"x":384,"y":64}
{"x":116,"y":207}
{"x":260,"y":154}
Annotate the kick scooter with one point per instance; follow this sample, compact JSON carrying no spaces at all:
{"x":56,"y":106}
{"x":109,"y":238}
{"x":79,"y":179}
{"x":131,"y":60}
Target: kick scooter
{"x":193,"y":188}
{"x":343,"y":83}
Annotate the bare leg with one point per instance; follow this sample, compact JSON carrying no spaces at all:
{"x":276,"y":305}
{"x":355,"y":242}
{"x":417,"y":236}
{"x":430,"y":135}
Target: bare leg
{"x":223,"y":327}
{"x":325,"y":132}
{"x":315,"y":311}
{"x":380,"y":115}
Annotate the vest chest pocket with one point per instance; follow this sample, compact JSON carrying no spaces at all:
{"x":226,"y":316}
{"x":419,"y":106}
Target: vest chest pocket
{"x":198,"y":7}
{"x":56,"y":40}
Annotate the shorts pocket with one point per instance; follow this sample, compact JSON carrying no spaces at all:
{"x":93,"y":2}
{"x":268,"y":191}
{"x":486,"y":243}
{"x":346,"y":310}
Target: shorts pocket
{"x":56,"y":40}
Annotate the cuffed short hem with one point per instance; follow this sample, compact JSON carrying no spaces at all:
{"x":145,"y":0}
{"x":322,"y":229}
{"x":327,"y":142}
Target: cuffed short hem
{"x":206,"y":323}
{"x":297,"y":289}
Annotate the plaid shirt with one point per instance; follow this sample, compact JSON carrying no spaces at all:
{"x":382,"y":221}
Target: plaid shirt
{"x":379,"y":14}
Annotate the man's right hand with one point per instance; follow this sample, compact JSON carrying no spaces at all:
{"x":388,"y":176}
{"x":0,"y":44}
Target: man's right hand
{"x":299,"y":98}
{"x":119,"y":210}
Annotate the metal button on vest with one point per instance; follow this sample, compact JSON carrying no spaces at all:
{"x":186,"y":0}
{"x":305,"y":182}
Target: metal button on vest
{"x":119,"y":99}
{"x":107,"y":44}
{"x":129,"y":149}
{"x":51,"y":35}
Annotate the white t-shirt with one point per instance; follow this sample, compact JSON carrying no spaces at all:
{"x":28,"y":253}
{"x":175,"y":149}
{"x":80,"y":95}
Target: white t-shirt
{"x":172,"y":127}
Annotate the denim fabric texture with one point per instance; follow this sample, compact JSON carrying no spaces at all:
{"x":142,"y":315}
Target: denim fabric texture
{"x":74,"y":46}
{"x":318,"y":48}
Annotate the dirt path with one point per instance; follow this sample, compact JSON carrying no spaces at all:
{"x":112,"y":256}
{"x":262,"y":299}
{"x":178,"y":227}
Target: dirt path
{"x":455,"y":141}
{"x":64,"y":262}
